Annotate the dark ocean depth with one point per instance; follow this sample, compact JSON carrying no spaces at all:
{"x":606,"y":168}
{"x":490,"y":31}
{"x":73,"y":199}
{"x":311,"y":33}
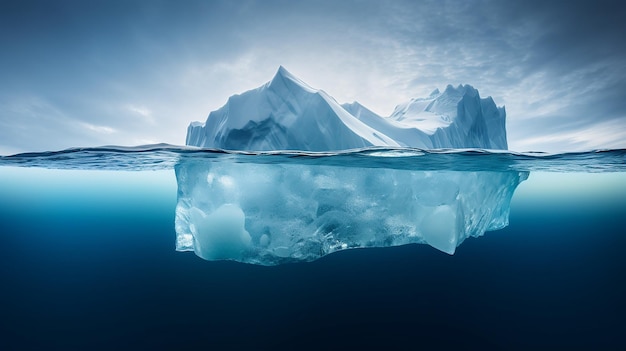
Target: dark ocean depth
{"x":87,"y":261}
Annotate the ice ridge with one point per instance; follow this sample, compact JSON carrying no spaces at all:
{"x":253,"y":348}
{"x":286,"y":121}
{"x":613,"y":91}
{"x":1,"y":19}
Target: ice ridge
{"x":288,"y":114}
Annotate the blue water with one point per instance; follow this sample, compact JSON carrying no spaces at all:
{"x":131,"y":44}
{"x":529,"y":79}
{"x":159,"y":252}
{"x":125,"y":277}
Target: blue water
{"x":88,"y":262}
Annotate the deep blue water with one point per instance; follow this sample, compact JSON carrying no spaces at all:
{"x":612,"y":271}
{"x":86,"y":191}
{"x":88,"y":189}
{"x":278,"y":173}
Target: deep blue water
{"x":88,"y":262}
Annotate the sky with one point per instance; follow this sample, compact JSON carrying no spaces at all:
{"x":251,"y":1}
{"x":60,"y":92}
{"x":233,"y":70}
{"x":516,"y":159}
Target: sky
{"x":91,"y":73}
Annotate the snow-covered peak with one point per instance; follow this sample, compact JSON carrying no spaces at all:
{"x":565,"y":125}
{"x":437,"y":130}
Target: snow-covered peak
{"x":457,"y":110}
{"x":284,"y":114}
{"x":285,"y":78}
{"x":288,"y":114}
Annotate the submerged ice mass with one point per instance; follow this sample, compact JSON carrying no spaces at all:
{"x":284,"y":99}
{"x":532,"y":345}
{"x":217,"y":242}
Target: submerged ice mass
{"x":273,"y":213}
{"x":221,"y":234}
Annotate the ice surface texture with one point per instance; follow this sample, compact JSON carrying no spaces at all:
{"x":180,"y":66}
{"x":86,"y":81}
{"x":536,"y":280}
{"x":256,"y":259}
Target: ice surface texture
{"x":274,"y":213}
{"x":287,"y":114}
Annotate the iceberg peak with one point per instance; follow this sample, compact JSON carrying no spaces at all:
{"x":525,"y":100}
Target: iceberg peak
{"x":284,"y":114}
{"x":282,"y":72}
{"x":456,"y":118}
{"x":288,"y":114}
{"x":284,"y":77}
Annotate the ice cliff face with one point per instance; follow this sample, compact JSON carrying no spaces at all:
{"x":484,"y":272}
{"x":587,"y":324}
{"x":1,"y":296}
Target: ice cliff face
{"x":456,"y":118}
{"x":287,"y":114}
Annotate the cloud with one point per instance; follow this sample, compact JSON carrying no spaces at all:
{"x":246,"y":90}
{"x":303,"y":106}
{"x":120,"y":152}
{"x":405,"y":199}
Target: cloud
{"x":141,"y":111}
{"x":33,"y":123}
{"x":97,"y":129}
{"x":145,"y":70}
{"x":606,"y":134}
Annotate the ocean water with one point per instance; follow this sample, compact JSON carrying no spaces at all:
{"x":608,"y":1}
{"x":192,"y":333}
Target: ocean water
{"x":88,"y":261}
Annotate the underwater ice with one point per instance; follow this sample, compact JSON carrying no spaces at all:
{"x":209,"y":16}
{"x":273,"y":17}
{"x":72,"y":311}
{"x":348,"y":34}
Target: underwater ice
{"x":274,"y":213}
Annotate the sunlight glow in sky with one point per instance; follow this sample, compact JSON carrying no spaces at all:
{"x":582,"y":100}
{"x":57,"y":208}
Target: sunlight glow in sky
{"x":78,"y":73}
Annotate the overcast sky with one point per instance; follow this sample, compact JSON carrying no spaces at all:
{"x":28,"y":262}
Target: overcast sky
{"x":89,"y":73}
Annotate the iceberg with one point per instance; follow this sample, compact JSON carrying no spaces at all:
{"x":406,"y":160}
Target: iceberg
{"x":289,"y":210}
{"x":288,"y":114}
{"x":270,"y":214}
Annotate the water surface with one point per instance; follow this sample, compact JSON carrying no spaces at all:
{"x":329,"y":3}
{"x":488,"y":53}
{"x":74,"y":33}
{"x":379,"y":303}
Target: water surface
{"x":88,"y":262}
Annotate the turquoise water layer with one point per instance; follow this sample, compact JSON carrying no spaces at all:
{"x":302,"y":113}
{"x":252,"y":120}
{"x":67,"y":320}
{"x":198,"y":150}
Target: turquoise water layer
{"x":88,"y":261}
